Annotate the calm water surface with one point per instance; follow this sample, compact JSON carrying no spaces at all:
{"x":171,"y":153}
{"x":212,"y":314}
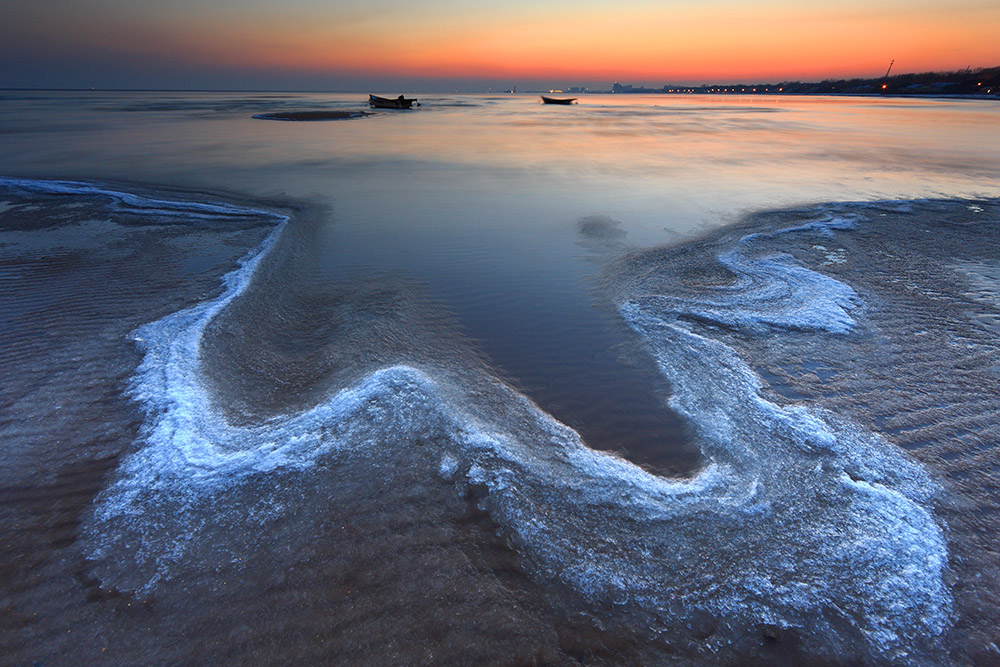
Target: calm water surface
{"x":480,"y":198}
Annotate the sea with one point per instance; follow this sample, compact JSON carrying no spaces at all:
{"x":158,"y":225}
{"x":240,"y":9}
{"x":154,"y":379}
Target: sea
{"x":645,"y":379}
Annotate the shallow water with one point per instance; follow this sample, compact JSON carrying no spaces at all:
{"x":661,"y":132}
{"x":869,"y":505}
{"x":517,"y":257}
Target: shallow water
{"x":458,"y":299}
{"x":479,"y":198}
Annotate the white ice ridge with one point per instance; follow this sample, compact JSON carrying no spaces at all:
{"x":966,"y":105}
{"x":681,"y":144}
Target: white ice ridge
{"x":135,"y":203}
{"x":798,"y":520}
{"x":770,"y":290}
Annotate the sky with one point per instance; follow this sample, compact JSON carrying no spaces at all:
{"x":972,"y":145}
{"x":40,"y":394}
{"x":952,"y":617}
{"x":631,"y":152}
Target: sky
{"x":439,"y":45}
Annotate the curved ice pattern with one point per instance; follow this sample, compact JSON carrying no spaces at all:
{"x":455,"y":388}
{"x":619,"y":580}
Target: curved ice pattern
{"x":798,"y":520}
{"x":771,"y":290}
{"x":134,"y":203}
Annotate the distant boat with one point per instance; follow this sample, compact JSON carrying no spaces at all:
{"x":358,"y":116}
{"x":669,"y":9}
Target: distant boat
{"x":558,"y":100}
{"x":389,"y":103}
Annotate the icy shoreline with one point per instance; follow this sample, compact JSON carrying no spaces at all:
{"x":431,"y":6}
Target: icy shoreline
{"x":829,"y":516}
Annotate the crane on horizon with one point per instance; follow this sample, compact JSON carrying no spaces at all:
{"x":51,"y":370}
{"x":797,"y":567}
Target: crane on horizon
{"x":886,"y":76}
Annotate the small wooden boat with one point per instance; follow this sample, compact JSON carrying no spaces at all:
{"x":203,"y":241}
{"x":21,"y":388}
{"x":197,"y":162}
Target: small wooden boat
{"x":558,"y":100}
{"x":389,"y":103}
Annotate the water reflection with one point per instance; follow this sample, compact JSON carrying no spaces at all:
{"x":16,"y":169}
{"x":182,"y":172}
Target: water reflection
{"x":479,"y":197}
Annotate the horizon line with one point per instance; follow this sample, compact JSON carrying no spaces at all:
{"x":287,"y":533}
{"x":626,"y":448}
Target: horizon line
{"x":430,"y":81}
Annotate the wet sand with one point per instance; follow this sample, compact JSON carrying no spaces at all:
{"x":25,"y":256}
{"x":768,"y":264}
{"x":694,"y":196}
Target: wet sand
{"x":921,"y":368}
{"x":374,"y":560}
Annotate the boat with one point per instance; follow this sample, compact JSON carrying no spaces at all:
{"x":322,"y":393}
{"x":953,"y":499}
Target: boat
{"x":558,"y":100}
{"x":391,"y":103}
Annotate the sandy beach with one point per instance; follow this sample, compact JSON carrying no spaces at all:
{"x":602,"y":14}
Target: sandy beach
{"x":378,"y":475}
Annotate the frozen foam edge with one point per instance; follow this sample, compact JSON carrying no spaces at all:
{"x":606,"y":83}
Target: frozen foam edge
{"x":798,"y":518}
{"x":136,"y":203}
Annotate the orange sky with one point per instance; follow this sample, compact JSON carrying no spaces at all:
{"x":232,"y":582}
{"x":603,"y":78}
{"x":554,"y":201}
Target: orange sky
{"x":557,"y":40}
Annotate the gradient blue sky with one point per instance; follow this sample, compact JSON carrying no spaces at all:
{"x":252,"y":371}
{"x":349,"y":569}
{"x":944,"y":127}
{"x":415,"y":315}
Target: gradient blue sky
{"x":460,"y":44}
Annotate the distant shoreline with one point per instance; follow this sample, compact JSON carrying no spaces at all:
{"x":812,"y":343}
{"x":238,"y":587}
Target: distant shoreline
{"x":528,"y":93}
{"x":774,"y":93}
{"x":982,"y":83}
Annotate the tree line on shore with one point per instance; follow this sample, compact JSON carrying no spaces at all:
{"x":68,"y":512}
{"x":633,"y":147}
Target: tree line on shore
{"x":967,"y":82}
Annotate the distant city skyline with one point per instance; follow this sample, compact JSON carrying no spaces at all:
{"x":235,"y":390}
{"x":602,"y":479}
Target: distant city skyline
{"x":444,"y":45}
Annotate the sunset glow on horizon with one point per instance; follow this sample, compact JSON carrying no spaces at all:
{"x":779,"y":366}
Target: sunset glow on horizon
{"x":135,"y":44}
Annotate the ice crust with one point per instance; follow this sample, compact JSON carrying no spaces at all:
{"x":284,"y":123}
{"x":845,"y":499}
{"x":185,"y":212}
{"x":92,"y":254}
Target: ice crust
{"x":798,"y":520}
{"x":136,"y":203}
{"x":771,"y":290}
